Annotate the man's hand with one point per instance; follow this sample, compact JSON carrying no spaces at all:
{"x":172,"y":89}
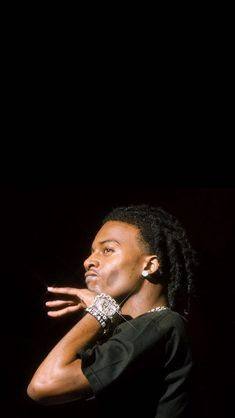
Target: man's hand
{"x":76,"y":300}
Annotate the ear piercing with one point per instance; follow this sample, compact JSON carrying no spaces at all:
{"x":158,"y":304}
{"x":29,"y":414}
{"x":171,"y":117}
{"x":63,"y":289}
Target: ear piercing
{"x":144,"y":273}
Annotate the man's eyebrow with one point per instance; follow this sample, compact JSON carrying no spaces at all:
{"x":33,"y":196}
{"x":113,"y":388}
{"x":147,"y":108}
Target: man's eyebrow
{"x":109,"y":240}
{"x":105,"y":242}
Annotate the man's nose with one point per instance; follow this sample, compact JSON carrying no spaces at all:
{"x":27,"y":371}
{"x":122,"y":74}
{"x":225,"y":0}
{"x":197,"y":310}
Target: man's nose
{"x":91,"y":261}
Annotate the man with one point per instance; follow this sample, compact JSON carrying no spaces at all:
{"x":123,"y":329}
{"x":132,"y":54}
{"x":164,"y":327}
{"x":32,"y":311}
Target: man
{"x":131,"y":346}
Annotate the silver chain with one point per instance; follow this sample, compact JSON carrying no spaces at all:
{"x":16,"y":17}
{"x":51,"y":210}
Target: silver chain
{"x":159,"y":308}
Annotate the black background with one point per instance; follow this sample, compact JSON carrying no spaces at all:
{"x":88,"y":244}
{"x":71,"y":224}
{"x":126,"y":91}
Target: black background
{"x":47,"y":228}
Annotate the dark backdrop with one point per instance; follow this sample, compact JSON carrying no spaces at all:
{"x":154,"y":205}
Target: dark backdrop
{"x":46,"y":233}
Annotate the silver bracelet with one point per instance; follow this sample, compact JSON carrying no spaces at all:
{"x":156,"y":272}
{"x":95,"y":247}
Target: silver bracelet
{"x":104,"y":308}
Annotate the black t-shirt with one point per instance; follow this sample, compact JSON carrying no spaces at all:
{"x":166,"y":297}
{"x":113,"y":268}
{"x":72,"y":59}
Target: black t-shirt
{"x":143,"y":368}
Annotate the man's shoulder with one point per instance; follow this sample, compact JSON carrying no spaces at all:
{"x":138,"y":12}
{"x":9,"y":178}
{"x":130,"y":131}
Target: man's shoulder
{"x":169,"y":320}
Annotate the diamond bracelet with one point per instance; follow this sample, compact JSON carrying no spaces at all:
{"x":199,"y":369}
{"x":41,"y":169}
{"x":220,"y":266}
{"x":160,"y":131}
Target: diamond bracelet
{"x":104,"y":308}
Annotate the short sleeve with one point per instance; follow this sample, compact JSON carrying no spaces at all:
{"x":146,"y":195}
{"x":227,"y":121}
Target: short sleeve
{"x":103,"y":364}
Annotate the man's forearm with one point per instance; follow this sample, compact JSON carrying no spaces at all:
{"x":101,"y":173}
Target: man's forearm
{"x":82,"y":334}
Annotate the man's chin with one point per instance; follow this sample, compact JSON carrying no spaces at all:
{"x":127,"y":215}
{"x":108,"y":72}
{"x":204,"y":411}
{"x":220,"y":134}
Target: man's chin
{"x":93,"y":287}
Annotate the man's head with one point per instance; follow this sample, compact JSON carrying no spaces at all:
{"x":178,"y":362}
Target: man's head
{"x":118,"y":257}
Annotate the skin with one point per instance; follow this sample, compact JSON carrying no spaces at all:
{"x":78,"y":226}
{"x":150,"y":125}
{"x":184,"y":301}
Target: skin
{"x":114,"y":267}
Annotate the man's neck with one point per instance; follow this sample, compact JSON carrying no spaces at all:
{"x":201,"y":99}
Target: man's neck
{"x":150,"y":296}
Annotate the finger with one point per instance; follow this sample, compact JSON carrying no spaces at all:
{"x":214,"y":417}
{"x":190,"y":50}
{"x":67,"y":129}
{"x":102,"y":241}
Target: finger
{"x":53,"y":303}
{"x":64,"y":311}
{"x":64,"y":290}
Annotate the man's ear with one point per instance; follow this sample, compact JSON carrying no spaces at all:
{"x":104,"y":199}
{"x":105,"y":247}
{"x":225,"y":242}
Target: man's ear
{"x":152,"y":265}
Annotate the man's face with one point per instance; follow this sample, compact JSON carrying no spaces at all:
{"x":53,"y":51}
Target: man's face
{"x":116,"y":261}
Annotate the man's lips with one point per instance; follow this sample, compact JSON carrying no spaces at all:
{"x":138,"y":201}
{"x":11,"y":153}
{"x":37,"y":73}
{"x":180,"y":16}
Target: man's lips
{"x":89,"y":275}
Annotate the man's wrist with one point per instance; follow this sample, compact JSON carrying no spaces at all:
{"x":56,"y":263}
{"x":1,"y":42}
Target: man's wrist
{"x":105,"y":309}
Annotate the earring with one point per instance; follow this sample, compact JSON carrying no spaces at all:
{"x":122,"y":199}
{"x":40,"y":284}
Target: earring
{"x":144,"y":273}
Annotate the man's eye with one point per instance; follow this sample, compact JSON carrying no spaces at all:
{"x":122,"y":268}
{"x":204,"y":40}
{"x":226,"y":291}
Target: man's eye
{"x":108,"y":250}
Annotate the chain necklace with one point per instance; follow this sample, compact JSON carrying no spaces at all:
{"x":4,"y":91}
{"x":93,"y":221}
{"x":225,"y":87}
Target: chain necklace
{"x":159,"y":308}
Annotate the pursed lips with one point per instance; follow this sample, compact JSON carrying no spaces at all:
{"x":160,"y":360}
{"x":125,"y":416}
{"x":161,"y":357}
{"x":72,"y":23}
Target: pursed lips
{"x":90,"y":275}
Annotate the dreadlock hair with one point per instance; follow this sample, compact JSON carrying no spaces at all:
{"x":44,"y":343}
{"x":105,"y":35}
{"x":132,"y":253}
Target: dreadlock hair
{"x":163,"y":235}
